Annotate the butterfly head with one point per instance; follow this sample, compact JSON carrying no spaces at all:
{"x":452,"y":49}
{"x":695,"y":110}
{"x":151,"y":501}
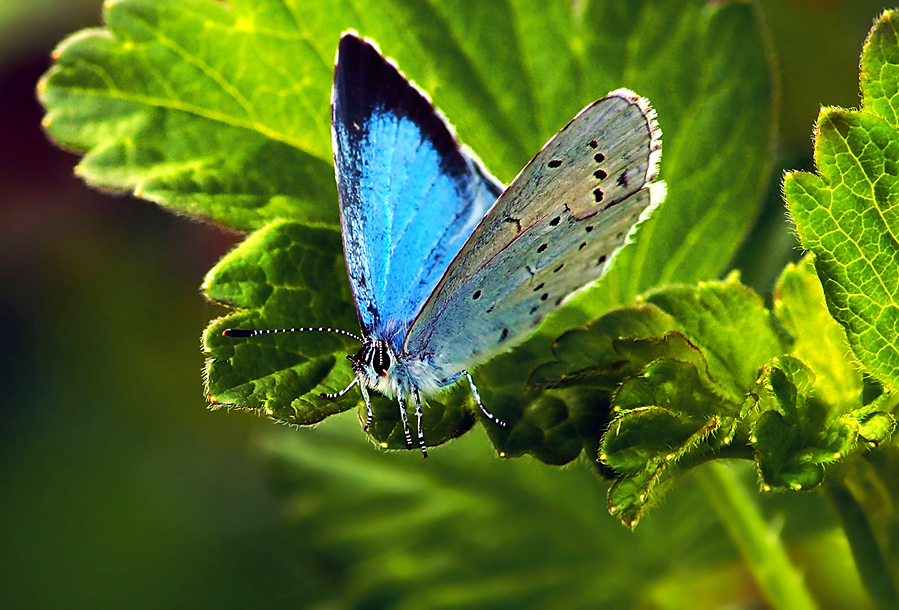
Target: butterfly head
{"x":373,"y":363}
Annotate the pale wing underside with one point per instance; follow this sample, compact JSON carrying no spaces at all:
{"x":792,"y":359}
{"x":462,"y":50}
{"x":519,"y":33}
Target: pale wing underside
{"x":551,"y":232}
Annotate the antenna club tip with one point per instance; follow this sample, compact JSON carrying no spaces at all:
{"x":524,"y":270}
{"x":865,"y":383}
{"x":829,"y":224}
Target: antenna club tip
{"x":236,"y":332}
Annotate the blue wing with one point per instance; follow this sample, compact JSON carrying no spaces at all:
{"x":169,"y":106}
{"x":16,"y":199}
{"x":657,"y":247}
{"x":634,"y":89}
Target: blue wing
{"x":409,"y":196}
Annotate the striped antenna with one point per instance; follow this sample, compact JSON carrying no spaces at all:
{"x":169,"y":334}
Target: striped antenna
{"x":236,"y":332}
{"x":341,"y":393}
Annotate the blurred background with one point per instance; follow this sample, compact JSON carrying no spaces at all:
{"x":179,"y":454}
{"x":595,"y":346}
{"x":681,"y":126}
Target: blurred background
{"x":119,"y":489}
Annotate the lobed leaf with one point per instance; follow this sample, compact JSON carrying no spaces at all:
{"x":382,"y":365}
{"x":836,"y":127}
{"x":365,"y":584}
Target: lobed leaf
{"x":220,"y":111}
{"x":587,"y":356}
{"x":283,"y":270}
{"x":685,"y":360}
{"x":214,"y":111}
{"x":796,"y":434}
{"x":846,"y":214}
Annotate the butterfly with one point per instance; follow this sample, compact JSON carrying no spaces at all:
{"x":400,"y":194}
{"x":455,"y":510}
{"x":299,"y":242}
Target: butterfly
{"x":447,"y":267}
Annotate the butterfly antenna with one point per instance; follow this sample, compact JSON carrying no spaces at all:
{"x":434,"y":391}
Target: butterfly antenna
{"x":236,"y":332}
{"x":340,"y":393}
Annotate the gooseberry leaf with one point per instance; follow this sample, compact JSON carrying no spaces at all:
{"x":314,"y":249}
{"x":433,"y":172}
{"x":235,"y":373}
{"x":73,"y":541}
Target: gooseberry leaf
{"x":221,"y":111}
{"x":846,"y":214}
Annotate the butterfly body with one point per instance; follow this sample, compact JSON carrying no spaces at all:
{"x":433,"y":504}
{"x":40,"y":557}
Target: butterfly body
{"x":379,"y":367}
{"x":447,"y":267}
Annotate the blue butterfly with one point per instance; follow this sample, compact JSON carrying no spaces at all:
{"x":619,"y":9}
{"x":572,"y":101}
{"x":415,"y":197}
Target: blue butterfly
{"x":447,"y":267}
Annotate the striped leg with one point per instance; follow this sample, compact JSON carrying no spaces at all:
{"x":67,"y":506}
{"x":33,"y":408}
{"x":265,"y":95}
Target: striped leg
{"x":474,"y":392}
{"x":421,"y":437}
{"x":399,"y":397}
{"x":367,"y":407}
{"x":364,"y":395}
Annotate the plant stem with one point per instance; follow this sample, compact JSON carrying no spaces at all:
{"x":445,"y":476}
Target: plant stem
{"x":869,"y":558}
{"x":761,"y":548}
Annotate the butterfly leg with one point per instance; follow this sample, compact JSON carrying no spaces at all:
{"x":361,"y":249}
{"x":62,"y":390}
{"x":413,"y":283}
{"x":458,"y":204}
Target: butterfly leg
{"x":402,"y":401}
{"x":364,"y":395}
{"x":368,"y":412}
{"x":421,"y":437}
{"x":474,"y":392}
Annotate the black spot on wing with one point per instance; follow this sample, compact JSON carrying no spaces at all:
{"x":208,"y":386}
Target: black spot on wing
{"x":515,"y":221}
{"x":555,"y":163}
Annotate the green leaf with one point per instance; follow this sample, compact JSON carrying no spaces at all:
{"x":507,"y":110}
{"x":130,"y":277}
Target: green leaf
{"x":846,"y":215}
{"x":725,"y":321}
{"x":730,"y":324}
{"x":875,"y":423}
{"x":632,"y":495}
{"x":587,"y":356}
{"x":683,"y":395}
{"x":796,"y":434}
{"x":810,"y":402}
{"x":203,"y":108}
{"x":285,"y":269}
{"x":880,"y":69}
{"x":221,"y":111}
{"x":668,"y":413}
{"x":819,"y":341}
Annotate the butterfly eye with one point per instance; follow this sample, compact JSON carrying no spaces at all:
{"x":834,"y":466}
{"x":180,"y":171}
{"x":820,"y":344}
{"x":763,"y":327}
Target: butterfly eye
{"x":380,"y":358}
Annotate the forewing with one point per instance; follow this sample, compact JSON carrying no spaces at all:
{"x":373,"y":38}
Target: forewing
{"x":409,"y":196}
{"x":554,"y":230}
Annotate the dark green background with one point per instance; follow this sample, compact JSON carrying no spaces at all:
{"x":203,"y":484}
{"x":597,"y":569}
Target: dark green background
{"x":119,"y":489}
